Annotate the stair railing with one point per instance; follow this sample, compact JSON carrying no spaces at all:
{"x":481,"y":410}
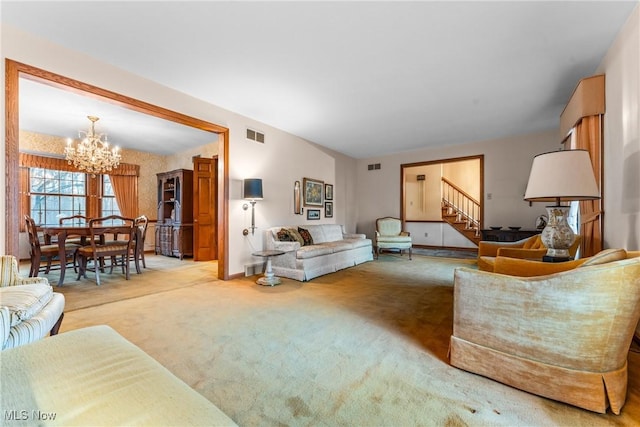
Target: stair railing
{"x":466,"y":207}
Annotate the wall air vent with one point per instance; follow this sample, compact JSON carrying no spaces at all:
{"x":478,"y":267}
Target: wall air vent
{"x":374,"y":166}
{"x":254,"y":135}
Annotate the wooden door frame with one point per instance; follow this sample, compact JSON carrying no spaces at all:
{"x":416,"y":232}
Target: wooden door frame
{"x":14,"y":70}
{"x":479,"y":157}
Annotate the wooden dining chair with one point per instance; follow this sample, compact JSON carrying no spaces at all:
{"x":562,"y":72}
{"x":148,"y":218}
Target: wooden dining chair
{"x":141,"y":222}
{"x":38,"y":251}
{"x":106,"y":245}
{"x":140,"y":232}
{"x":79,"y":220}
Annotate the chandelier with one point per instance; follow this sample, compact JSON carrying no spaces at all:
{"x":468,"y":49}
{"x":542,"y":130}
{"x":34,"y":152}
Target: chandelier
{"x":92,"y":153}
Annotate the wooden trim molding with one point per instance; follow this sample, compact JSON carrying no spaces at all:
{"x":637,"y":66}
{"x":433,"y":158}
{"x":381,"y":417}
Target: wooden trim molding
{"x":14,"y":70}
{"x":479,"y":157}
{"x":587,"y":100}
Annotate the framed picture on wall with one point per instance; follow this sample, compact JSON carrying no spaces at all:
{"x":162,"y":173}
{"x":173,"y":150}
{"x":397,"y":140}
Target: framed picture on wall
{"x":313,"y":192}
{"x":313,"y":213}
{"x":328,"y":209}
{"x":328,"y":191}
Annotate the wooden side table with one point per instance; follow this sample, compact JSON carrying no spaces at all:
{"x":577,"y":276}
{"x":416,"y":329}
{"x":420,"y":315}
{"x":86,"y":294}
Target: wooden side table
{"x":269,"y":278}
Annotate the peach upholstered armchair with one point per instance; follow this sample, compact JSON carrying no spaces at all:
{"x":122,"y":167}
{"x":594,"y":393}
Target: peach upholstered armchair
{"x":389,"y":235}
{"x":564,"y":336}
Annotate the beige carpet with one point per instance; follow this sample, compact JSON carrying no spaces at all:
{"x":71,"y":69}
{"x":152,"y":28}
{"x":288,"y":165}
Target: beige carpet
{"x":365,"y":346}
{"x":161,"y":274}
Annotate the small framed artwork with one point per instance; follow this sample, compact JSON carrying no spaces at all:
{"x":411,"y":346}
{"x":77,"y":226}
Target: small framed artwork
{"x":313,"y":213}
{"x":328,"y":191}
{"x":328,"y":209}
{"x":313,"y":190}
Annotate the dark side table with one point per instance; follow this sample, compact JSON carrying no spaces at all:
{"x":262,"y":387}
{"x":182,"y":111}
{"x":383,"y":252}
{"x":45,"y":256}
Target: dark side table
{"x":269,"y":278}
{"x":555,"y":259}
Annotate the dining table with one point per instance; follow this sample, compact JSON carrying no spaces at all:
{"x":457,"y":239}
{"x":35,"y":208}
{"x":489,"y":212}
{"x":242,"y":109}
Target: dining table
{"x":62,"y":232}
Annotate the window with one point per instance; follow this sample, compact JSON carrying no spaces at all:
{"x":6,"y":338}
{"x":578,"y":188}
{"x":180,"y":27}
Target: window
{"x":55,"y":194}
{"x":109,"y":205}
{"x":50,"y":188}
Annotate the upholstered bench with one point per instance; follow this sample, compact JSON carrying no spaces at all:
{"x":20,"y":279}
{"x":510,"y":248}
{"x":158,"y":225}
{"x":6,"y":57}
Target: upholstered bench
{"x":93,"y":376}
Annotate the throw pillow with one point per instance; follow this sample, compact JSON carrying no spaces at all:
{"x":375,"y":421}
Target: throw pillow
{"x":296,"y":236}
{"x":306,"y":236}
{"x":285,"y":236}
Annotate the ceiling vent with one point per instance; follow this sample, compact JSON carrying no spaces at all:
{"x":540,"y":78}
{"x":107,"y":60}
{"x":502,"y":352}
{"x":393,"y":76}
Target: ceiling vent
{"x":254,"y":135}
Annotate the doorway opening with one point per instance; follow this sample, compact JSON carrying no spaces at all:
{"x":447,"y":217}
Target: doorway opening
{"x":15,"y":71}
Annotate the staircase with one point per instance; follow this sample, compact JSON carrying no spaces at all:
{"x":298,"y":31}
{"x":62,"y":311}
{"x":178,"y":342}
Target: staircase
{"x":461,"y":211}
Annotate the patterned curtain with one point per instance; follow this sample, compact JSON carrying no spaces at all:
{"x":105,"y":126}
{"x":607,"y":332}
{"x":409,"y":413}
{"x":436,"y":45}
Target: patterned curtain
{"x":589,"y":137}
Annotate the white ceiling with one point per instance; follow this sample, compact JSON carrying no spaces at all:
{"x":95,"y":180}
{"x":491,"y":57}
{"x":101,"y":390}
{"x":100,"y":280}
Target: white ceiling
{"x":46,"y":109}
{"x":362,"y":78}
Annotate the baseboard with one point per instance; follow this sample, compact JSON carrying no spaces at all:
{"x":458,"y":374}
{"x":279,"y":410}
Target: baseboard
{"x":253,"y":269}
{"x":447,"y":248}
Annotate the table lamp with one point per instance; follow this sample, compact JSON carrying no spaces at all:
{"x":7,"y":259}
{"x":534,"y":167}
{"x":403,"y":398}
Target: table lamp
{"x":560,"y":176}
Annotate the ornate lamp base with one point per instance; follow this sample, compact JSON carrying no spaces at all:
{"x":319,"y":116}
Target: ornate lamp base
{"x":557,"y":236}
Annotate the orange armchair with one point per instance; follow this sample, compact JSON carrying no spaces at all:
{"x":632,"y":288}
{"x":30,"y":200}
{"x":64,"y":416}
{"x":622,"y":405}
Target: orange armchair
{"x":530,"y":248}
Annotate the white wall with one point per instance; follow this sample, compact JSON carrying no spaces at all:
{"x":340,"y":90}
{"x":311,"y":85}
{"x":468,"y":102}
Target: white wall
{"x":282,"y":160}
{"x":507,"y":163}
{"x":621,"y":186}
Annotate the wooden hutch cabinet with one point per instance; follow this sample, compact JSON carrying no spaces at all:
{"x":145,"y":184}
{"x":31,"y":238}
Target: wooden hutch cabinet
{"x":174,"y":230}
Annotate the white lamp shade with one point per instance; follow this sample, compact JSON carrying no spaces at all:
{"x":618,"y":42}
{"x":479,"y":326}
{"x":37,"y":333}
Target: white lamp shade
{"x":562,"y":176}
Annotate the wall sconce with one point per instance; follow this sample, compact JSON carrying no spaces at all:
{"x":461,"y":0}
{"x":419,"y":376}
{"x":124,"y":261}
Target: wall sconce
{"x":252,"y":192}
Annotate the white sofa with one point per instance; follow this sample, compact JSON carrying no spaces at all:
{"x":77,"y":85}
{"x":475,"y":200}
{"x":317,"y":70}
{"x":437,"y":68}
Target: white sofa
{"x":332,"y":250}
